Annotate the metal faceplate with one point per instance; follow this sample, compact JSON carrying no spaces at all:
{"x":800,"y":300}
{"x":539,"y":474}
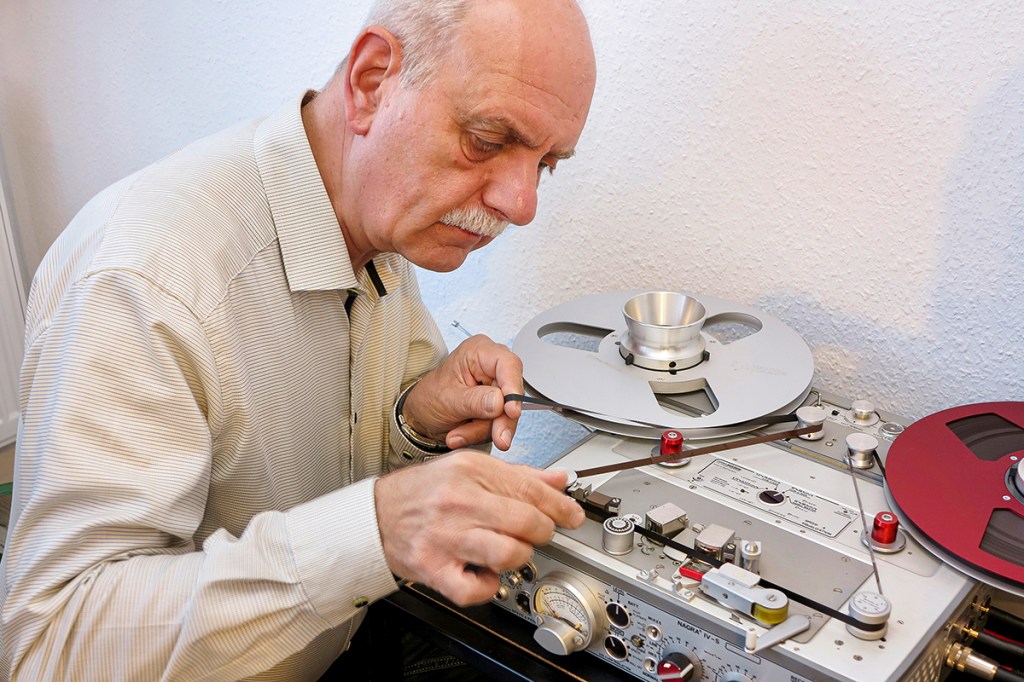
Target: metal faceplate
{"x":811,"y":544}
{"x":766,"y":372}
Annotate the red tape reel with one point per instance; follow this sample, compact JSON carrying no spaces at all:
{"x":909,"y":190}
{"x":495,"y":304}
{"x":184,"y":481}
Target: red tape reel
{"x":953,"y":476}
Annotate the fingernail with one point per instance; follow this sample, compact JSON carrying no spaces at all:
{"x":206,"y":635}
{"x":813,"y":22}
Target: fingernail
{"x":456,"y":442}
{"x":577,"y":517}
{"x":506,"y":438}
{"x":490,"y":402}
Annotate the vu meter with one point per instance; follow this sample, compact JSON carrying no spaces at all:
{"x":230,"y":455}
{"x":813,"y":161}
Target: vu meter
{"x":569,"y":617}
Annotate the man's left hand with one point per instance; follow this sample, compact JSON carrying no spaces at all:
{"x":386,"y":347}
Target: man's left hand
{"x":464,"y":397}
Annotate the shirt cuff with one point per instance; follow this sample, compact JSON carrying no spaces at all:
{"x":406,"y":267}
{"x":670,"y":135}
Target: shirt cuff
{"x":403,"y":451}
{"x":338,"y":553}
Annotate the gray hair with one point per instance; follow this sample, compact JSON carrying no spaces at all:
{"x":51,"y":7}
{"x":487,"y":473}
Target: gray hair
{"x":426,"y":30}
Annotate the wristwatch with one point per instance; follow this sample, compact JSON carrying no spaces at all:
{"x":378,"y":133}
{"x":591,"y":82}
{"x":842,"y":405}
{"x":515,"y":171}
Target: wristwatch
{"x":429,"y":445}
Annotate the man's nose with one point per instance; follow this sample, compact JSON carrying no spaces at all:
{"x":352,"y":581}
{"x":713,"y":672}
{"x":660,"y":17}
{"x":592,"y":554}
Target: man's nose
{"x":512,"y":188}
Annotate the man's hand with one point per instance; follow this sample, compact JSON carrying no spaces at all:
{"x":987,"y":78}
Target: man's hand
{"x":456,"y":523}
{"x":464,"y":397}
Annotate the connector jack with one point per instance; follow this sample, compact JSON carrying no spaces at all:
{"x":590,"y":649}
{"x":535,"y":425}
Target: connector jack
{"x":963,"y":658}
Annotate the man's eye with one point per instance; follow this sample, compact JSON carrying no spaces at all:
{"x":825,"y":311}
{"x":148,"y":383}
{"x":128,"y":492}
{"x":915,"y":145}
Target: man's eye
{"x":482,"y":147}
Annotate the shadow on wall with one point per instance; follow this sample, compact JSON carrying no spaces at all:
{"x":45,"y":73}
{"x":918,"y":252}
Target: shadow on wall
{"x":35,"y":215}
{"x":979,"y":320}
{"x":972,"y":346}
{"x":12,"y":173}
{"x":542,"y":435}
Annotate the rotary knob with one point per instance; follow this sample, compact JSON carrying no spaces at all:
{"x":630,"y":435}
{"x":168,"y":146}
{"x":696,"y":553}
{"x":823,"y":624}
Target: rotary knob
{"x":568,"y":615}
{"x":678,"y":666}
{"x":558,"y":637}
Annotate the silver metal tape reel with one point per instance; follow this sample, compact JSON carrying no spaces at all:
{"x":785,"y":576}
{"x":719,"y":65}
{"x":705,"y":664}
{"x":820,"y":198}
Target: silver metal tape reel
{"x":767,"y":371}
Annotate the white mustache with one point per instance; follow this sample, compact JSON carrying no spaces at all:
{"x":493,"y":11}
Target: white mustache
{"x":476,"y":221}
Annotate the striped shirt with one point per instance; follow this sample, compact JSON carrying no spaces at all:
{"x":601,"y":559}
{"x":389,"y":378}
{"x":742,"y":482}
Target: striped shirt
{"x":203,"y":422}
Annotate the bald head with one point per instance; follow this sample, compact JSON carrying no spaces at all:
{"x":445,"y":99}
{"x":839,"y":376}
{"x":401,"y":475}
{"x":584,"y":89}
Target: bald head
{"x":427,"y":29}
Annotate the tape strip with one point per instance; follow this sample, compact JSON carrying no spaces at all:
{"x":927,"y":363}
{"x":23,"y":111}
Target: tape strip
{"x":706,"y":450}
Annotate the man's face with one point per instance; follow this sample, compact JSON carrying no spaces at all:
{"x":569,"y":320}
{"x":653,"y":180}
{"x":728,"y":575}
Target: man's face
{"x":470,"y":146}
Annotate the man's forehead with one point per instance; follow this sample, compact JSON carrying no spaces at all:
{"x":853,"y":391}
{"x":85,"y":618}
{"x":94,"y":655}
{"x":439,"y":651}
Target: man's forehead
{"x":545,"y":61}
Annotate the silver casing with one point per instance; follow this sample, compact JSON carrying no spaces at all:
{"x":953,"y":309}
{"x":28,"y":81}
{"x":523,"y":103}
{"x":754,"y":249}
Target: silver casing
{"x":803,"y":504}
{"x":811,"y":543}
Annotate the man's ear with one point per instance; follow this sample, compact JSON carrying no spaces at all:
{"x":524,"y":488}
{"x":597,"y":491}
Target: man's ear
{"x":374,"y":62}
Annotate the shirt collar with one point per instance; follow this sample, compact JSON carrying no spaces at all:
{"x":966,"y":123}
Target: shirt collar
{"x":312,"y":243}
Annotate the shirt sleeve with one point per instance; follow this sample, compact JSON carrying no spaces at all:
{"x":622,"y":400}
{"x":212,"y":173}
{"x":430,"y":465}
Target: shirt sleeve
{"x":114,"y":460}
{"x":426,"y":350}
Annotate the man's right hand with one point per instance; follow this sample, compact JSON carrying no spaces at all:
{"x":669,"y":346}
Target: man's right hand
{"x":455,"y":523}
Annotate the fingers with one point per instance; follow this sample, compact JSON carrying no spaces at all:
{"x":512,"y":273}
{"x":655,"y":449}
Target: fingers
{"x":556,"y":478}
{"x":500,"y":431}
{"x":466,"y":586}
{"x":468,"y":509}
{"x":486,"y":550}
{"x":517,"y":520}
{"x":545,"y":491}
{"x":464,"y":397}
{"x":472,"y":577}
{"x":470,"y":433}
{"x":491,"y":362}
{"x":503,"y":429}
{"x":508,"y":375}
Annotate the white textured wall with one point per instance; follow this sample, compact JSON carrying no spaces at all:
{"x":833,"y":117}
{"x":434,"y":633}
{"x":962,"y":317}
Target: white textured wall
{"x":856,"y":169}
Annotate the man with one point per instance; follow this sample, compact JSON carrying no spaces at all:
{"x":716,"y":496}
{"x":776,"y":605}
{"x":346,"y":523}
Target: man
{"x":225,"y":349}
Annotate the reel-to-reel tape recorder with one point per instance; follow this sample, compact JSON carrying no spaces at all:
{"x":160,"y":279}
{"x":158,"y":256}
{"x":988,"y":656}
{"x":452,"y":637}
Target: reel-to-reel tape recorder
{"x":842,"y":553}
